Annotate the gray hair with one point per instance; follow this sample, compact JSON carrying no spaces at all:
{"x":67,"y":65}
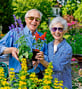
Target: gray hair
{"x":59,"y":19}
{"x":26,"y":15}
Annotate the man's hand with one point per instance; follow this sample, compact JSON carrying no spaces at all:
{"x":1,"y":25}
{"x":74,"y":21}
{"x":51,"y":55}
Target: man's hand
{"x":12,"y":50}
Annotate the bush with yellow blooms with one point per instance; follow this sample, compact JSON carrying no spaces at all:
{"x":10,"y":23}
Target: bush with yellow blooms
{"x":25,"y":80}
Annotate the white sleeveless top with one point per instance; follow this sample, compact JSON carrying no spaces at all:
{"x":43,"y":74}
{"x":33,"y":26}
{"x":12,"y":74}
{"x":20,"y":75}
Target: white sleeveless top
{"x":55,"y":48}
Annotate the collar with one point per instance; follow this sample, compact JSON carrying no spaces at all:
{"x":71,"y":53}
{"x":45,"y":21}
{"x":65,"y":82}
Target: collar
{"x":27,"y":31}
{"x":60,"y":44}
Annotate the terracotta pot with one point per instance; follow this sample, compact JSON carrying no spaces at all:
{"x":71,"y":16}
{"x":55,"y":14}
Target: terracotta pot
{"x":78,"y":57}
{"x":35,"y":51}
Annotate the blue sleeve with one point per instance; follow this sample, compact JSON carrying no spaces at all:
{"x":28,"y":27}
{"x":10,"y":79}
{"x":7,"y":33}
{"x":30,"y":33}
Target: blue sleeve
{"x":45,"y":57}
{"x":5,"y":42}
{"x":65,"y":61}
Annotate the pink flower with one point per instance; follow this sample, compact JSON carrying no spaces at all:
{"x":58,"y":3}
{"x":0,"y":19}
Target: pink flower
{"x":69,"y":24}
{"x":76,"y":66}
{"x":73,"y":59}
{"x":73,"y":22}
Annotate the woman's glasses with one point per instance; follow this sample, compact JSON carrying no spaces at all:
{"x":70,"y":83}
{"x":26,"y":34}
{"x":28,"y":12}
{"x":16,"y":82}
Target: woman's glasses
{"x":57,"y":28}
{"x":32,"y":18}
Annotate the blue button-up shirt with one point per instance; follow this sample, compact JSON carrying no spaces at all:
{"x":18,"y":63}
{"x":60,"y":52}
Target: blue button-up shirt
{"x":61,"y":61}
{"x":10,"y":41}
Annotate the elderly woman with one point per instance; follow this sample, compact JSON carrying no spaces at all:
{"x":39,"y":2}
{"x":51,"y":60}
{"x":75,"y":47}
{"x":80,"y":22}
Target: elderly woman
{"x":59,"y":52}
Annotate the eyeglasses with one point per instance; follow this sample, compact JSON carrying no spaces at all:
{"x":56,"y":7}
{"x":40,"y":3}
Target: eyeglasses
{"x":32,"y":18}
{"x":55,"y":28}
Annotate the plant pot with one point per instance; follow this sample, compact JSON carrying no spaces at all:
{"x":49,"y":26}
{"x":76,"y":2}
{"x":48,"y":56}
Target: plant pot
{"x":35,"y":51}
{"x":29,"y":64}
{"x":78,"y":57}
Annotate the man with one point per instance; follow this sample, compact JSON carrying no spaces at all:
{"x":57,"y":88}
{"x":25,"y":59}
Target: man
{"x":8,"y":46}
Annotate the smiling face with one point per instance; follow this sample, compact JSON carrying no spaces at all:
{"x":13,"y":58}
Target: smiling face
{"x":31,"y":23}
{"x":57,"y":34}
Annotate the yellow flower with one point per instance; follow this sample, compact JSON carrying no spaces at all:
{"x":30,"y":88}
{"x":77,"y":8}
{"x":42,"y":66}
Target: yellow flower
{"x":46,"y":87}
{"x":11,"y":69}
{"x":6,"y":87}
{"x":2,"y":88}
{"x":23,"y":77}
{"x":60,"y":84}
{"x":19,"y":88}
{"x":56,"y":84}
{"x":4,"y":83}
{"x":58,"y":87}
{"x":39,"y":80}
{"x":55,"y":80}
{"x":32,"y":75}
{"x":21,"y":83}
{"x":47,"y":81}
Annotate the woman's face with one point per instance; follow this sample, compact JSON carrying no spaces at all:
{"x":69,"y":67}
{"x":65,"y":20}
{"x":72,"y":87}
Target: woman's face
{"x":57,"y":31}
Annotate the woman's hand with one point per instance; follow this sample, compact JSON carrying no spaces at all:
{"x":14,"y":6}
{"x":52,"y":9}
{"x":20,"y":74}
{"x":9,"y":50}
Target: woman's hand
{"x":40,"y":56}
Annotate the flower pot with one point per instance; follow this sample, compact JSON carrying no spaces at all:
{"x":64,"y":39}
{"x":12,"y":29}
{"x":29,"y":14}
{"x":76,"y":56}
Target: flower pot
{"x":78,"y":57}
{"x":29,"y":64}
{"x":35,"y":51}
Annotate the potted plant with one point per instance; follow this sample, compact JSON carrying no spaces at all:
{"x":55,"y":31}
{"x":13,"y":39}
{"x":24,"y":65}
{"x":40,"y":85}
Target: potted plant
{"x":38,"y":44}
{"x":24,"y":49}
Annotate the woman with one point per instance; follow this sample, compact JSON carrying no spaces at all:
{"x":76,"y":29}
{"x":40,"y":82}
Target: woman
{"x":59,"y":52}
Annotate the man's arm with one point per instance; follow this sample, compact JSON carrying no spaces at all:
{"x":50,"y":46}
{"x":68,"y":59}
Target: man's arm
{"x":5,"y":46}
{"x":11,"y":50}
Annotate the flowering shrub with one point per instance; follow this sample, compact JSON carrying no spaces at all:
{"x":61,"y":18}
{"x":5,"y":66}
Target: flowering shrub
{"x":74,"y":34}
{"x":24,"y":80}
{"x":75,"y":75}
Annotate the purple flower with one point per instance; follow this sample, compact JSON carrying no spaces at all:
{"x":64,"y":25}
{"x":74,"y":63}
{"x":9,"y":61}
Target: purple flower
{"x":19,"y":21}
{"x":14,"y":17}
{"x":15,"y":23}
{"x":10,"y":28}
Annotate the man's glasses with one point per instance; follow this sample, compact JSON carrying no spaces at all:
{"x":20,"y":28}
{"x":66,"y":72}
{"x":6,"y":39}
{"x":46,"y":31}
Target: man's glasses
{"x":55,"y":28}
{"x":32,"y":18}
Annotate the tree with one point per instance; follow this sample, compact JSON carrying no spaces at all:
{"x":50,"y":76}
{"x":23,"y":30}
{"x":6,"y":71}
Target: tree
{"x":6,"y":13}
{"x":70,"y":7}
{"x":78,"y":13}
{"x":20,"y":7}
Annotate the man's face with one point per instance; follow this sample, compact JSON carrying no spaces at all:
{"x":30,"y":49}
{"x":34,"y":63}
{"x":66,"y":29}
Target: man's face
{"x":33,"y":20}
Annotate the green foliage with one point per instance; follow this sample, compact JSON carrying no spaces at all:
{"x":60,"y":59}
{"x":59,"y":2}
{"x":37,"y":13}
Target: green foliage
{"x":20,"y":7}
{"x":78,"y":13}
{"x":75,"y":40}
{"x":5,"y":14}
{"x":75,"y":68}
{"x":43,"y":26}
{"x":53,"y":3}
{"x":24,"y":49}
{"x":70,"y":7}
{"x":80,"y":79}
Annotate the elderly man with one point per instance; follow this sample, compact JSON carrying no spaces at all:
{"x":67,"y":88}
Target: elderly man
{"x":7,"y":46}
